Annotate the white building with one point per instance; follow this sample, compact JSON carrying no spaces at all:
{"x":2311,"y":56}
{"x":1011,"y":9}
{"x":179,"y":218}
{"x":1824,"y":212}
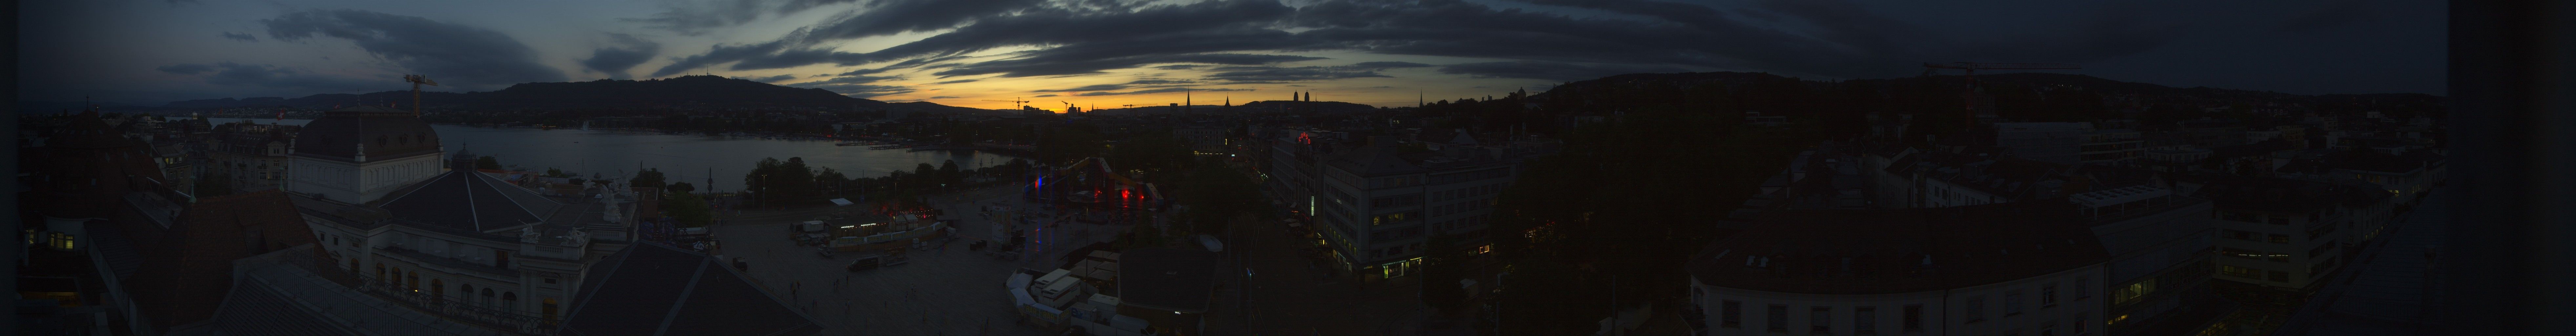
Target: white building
{"x":385,"y":207}
{"x":1976,"y":270}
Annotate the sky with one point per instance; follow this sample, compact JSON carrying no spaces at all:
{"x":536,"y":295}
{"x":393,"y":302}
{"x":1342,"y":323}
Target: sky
{"x":1110,"y":53}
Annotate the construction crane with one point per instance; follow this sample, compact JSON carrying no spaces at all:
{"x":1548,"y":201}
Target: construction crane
{"x":416,"y":81}
{"x":1023,"y":104}
{"x":1068,"y":106}
{"x":1970,"y":94}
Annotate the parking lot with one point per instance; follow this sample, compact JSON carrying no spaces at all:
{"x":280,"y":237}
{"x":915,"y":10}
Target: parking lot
{"x":943,"y":290}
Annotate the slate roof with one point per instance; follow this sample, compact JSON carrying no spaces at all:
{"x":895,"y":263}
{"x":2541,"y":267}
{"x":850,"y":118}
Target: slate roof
{"x":1883,"y":251}
{"x":386,"y":133}
{"x":253,"y":309}
{"x":465,"y":200}
{"x":119,"y":251}
{"x":652,"y":289}
{"x":1167,"y":278}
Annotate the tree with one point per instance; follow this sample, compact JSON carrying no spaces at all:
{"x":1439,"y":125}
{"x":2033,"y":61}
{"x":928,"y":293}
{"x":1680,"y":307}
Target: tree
{"x":948,"y":173}
{"x":487,"y":162}
{"x":648,"y":177}
{"x":1443,"y":264}
{"x":1216,"y":195}
{"x":682,"y":187}
{"x":690,"y":210}
{"x":551,"y":172}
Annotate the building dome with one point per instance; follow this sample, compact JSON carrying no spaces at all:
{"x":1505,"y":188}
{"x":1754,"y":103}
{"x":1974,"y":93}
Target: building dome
{"x":365,"y":133}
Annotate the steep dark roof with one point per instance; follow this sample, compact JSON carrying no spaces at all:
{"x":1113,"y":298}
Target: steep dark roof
{"x":469,"y":201}
{"x":386,"y":133}
{"x":1167,"y":278}
{"x":651,"y":289}
{"x":1884,"y":251}
{"x":253,"y":309}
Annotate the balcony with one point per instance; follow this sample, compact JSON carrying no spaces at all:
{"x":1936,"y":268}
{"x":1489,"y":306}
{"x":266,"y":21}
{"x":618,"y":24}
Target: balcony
{"x":490,"y":314}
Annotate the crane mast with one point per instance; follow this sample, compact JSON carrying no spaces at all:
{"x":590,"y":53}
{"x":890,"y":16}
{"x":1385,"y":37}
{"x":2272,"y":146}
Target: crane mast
{"x":416,"y":81}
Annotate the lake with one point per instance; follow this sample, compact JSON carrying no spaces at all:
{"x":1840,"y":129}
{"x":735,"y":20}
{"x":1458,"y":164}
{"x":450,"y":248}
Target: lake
{"x":681,"y":158}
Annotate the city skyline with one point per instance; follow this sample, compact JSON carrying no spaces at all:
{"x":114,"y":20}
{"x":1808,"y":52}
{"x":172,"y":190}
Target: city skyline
{"x":1110,"y":53}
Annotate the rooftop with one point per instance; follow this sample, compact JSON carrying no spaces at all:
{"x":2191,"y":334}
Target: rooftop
{"x":1897,"y":251}
{"x":1167,"y":278}
{"x":470,"y":201}
{"x":648,"y":289}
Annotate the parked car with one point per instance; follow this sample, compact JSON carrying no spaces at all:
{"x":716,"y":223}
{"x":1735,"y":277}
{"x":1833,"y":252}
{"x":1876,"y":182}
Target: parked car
{"x":825,"y":251}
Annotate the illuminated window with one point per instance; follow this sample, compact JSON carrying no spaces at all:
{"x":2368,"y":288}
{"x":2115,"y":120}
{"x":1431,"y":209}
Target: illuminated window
{"x":62,"y":241}
{"x":2133,"y":291}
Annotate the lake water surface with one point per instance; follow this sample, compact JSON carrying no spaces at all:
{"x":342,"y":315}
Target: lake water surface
{"x":681,"y":158}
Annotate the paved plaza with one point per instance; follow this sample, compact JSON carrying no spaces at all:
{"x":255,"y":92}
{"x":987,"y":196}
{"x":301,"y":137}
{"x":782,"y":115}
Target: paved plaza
{"x":944,"y":290}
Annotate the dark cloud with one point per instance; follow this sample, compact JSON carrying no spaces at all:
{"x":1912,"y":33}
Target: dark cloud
{"x":1055,"y":62}
{"x":791,"y":7}
{"x":1044,"y":95}
{"x":855,"y":80}
{"x":244,"y":37}
{"x":1381,"y":87}
{"x":615,"y":60}
{"x":699,"y":18}
{"x":958,"y":81}
{"x":944,"y":97}
{"x":1388,"y":65}
{"x":819,"y":75}
{"x":452,"y":53}
{"x":1097,"y":36}
{"x":176,"y":3}
{"x":1270,"y":73}
{"x":893,"y":17}
{"x":1556,"y":71}
{"x":1160,"y":81}
{"x":1178,"y":67}
{"x":264,"y":75}
{"x":864,"y":90}
{"x":186,"y":69}
{"x":1162,"y":90}
{"x":1100,"y":87}
{"x":770,"y":79}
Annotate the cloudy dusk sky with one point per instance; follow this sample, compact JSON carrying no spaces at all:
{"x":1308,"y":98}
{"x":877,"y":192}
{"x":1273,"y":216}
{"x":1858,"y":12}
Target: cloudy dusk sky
{"x":1110,"y":53}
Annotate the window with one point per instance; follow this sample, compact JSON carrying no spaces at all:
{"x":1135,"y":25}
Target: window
{"x":437,"y":288}
{"x":1779,"y":319}
{"x":1976,"y":309}
{"x":2083,"y":288}
{"x":1913,"y":318}
{"x":2279,"y":276}
{"x":2135,"y":290}
{"x":2047,"y":296}
{"x":2241,"y":272}
{"x":465,"y":291}
{"x":2012,"y":302}
{"x":2240,"y":253}
{"x":510,"y":301}
{"x":550,"y":309}
{"x":2280,"y":239}
{"x":550,"y":281}
{"x":1865,"y":320}
{"x":2239,"y":234}
{"x":2048,"y":329}
{"x":1820,"y":320}
{"x":2079,"y":323}
{"x":62,"y":241}
{"x":1732,"y":314}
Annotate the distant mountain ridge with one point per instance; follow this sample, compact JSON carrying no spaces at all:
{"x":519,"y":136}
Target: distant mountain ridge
{"x":683,"y":91}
